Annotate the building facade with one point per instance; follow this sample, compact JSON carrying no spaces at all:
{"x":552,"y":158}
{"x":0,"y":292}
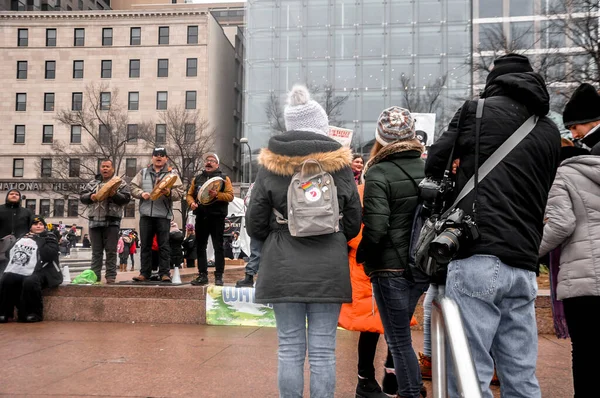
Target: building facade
{"x":156,"y":60}
{"x":364,"y":55}
{"x":54,"y":5}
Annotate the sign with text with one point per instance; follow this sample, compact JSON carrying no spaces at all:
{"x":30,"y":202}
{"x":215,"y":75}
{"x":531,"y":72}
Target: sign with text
{"x":426,"y":123}
{"x":235,"y":306}
{"x":343,"y":136}
{"x":36,"y":186}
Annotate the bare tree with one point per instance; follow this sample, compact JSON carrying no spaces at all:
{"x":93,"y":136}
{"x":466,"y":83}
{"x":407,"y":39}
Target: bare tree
{"x":274,"y":112}
{"x":425,"y":99}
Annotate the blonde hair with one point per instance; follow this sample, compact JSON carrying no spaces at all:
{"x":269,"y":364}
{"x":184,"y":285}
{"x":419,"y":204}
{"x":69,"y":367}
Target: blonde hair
{"x":375,"y":150}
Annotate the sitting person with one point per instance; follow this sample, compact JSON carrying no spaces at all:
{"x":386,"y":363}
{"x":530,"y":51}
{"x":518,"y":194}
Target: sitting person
{"x":33,"y":265}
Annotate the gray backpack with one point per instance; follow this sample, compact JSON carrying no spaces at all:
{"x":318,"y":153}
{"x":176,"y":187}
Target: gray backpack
{"x":312,"y":203}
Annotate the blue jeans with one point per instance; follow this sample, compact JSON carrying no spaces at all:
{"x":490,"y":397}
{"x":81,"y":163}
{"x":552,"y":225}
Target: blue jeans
{"x":396,"y":299}
{"x":433,"y":292}
{"x":291,"y":321}
{"x":254,"y":261}
{"x":497,"y":303}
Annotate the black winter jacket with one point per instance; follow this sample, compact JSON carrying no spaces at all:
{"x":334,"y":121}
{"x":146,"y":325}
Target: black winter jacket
{"x":14,"y":219}
{"x":309,"y":269}
{"x":390,"y":199}
{"x":512,"y":198}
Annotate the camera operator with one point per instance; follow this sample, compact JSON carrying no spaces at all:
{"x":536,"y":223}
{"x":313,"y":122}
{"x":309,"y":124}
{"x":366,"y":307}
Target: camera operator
{"x":492,"y":277}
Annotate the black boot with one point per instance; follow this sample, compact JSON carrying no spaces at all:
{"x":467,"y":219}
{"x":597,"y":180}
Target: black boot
{"x":390,"y":384}
{"x":248,"y":281}
{"x":369,"y":388}
{"x":218,"y":279}
{"x":201,"y":280}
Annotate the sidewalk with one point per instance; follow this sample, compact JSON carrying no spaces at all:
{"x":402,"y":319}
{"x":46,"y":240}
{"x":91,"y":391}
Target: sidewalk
{"x":67,"y":359}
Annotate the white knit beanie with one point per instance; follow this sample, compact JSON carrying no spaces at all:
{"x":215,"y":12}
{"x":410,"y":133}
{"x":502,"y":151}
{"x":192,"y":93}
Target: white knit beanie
{"x":303,"y":114}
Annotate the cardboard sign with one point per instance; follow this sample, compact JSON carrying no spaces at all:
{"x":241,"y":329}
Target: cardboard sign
{"x":343,"y":136}
{"x":426,"y":123}
{"x":235,"y":306}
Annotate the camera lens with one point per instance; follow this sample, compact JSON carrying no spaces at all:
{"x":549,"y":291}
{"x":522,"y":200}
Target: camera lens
{"x":445,"y":246}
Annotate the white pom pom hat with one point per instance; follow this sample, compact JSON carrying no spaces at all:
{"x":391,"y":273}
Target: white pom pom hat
{"x":304,"y":114}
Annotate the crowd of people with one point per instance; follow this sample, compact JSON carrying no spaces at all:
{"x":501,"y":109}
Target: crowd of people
{"x":354,"y":263}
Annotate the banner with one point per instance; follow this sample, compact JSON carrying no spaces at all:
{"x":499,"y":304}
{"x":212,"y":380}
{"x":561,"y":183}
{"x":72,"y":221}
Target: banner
{"x":235,"y":306}
{"x":425,"y":122}
{"x":343,"y":136}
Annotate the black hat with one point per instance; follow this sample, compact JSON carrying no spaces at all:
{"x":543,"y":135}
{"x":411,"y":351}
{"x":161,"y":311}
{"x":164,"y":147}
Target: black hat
{"x":37,"y":219}
{"x":583,"y":107}
{"x":159,"y":151}
{"x":509,"y":63}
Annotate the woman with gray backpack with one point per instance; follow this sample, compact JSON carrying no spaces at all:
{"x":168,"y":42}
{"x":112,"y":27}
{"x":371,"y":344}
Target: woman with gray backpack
{"x":305,"y":207}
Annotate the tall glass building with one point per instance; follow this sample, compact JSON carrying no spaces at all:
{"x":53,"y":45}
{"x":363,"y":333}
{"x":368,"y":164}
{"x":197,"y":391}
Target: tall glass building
{"x":370,"y":54}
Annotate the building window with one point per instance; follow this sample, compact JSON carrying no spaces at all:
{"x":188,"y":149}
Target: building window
{"x":190,"y":100}
{"x":77,"y":69}
{"x":21,"y":102}
{"x":103,"y":137}
{"x":69,"y":8}
{"x":31,"y":205}
{"x":50,"y":37}
{"x":75,"y":134}
{"x":161,"y":134}
{"x":19,"y":134}
{"x":129,"y":210}
{"x":45,"y":207}
{"x":76,"y":101}
{"x":134,"y":101}
{"x":73,"y":210}
{"x":23,"y":40}
{"x":50,"y":69}
{"x":135,"y":36}
{"x":79,"y":40}
{"x":134,"y":68}
{"x":48,"y":102}
{"x":161,"y":100}
{"x":191,"y":67}
{"x":21,"y":69}
{"x":163,"y":35}
{"x":106,"y":69}
{"x":107,"y":36}
{"x":46,"y":167}
{"x":190,"y":133}
{"x":192,"y":35}
{"x":74,"y":167}
{"x":48,"y":134}
{"x":104,"y":101}
{"x":163,"y":68}
{"x":59,"y":207}
{"x":80,"y":5}
{"x":132,"y":133}
{"x":18,"y":167}
{"x":188,"y":168}
{"x":130,"y":167}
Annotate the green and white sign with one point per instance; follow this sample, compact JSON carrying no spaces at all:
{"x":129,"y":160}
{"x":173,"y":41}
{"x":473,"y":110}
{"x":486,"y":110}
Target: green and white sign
{"x":235,"y":306}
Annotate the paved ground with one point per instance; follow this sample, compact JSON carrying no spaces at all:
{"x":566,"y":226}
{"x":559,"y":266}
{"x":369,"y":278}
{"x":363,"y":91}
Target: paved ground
{"x":65,"y":359}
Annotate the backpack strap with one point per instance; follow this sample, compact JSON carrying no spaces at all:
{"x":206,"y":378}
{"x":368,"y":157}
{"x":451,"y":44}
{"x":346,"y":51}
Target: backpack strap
{"x":279,"y":217}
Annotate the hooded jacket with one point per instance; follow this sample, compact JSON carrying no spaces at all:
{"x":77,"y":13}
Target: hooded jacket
{"x":14,"y":219}
{"x":573,"y":214}
{"x":310,"y":269}
{"x":109,"y":211}
{"x":512,"y":198}
{"x":145,"y":181}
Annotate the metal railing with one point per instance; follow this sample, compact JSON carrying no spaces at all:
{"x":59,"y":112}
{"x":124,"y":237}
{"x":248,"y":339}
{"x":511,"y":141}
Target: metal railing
{"x":446,"y":325}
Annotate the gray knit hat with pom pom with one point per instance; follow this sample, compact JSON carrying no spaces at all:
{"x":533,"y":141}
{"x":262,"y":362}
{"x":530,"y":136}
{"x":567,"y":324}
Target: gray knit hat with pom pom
{"x":303,"y":114}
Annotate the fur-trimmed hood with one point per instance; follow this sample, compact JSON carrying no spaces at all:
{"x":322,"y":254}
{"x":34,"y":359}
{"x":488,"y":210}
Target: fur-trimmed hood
{"x":395,"y":147}
{"x":287,"y":151}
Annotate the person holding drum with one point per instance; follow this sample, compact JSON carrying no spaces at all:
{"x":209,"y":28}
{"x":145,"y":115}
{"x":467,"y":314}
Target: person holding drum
{"x":106,"y":196}
{"x":156,"y":186}
{"x":209,"y":196}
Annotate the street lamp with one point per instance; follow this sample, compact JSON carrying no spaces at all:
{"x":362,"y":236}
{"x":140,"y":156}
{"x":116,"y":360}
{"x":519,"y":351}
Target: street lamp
{"x":244,"y":140}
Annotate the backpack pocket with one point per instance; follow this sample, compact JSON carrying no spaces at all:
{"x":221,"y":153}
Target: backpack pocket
{"x":312,"y":221}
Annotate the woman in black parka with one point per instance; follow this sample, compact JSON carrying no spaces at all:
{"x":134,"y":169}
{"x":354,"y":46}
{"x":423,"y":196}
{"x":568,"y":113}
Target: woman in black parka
{"x":306,"y":279}
{"x":390,"y":199}
{"x":33,"y":266}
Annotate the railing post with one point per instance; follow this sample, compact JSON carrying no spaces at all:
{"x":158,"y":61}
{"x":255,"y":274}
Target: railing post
{"x":438,"y":352}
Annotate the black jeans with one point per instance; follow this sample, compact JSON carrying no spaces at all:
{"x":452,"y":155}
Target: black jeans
{"x":150,"y":226}
{"x":213,"y":226}
{"x":397,"y":298}
{"x":23,"y":292}
{"x":367,"y":347}
{"x":105,"y":239}
{"x":580,"y":312}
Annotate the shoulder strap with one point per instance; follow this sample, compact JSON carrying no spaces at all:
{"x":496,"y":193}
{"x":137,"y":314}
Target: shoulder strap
{"x":498,"y":154}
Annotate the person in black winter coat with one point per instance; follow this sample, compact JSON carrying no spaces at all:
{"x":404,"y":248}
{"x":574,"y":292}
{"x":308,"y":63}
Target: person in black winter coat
{"x":176,"y":241}
{"x":303,"y":277}
{"x":14,"y":220}
{"x":33,"y":266}
{"x":582,"y":116}
{"x":189,"y":247}
{"x":493,"y":280}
